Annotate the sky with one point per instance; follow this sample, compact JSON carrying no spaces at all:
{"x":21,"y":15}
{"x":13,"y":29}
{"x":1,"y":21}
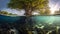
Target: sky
{"x":53,"y":4}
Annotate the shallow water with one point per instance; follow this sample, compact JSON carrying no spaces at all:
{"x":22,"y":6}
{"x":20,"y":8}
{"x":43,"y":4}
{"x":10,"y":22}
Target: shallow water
{"x":8,"y":19}
{"x":42,"y":22}
{"x":35,"y":19}
{"x":46,"y":19}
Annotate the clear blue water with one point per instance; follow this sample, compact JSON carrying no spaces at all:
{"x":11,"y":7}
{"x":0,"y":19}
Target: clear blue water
{"x":35,"y":19}
{"x":8,"y":19}
{"x":46,"y":19}
{"x":12,"y":19}
{"x":45,"y":22}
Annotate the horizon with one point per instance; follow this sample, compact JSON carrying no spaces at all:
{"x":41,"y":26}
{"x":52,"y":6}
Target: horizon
{"x":53,"y":4}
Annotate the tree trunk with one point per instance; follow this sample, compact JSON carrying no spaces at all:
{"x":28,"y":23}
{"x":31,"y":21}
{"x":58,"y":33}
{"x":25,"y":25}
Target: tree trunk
{"x":28,"y":25}
{"x":28,"y":12}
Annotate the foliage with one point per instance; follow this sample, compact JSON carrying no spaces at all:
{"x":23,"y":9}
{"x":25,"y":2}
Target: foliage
{"x":23,"y":4}
{"x":3,"y":12}
{"x":28,"y":5}
{"x":45,"y":11}
{"x":6,"y":13}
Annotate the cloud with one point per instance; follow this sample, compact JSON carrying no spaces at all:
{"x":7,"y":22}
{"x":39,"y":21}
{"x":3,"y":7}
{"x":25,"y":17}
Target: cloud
{"x":14,"y":11}
{"x":53,"y":3}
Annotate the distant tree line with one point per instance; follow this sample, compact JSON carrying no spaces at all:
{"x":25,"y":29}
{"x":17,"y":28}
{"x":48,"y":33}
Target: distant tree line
{"x":6,"y":13}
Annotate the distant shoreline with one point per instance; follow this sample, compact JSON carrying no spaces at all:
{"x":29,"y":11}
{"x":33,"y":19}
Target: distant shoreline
{"x":24,"y":16}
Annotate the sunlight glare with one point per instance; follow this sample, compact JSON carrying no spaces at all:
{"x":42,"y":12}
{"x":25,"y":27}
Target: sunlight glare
{"x":53,"y":8}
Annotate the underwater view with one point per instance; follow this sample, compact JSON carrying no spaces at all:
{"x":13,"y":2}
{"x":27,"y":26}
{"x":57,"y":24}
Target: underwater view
{"x":29,"y":16}
{"x":37,"y":24}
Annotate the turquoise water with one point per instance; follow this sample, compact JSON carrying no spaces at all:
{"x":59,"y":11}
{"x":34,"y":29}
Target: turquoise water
{"x":46,"y":19}
{"x":34,"y":19}
{"x":8,"y":19}
{"x":46,"y":22}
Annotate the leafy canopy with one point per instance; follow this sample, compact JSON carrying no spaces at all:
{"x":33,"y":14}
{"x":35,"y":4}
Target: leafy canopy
{"x":25,"y":4}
